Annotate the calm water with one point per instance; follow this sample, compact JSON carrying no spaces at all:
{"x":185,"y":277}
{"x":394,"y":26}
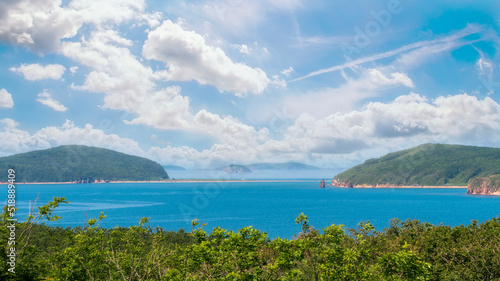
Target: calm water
{"x":270,"y":207}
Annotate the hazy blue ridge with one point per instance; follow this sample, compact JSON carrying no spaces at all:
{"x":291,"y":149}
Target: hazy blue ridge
{"x":237,"y":168}
{"x":71,"y":163}
{"x":173,"y":167}
{"x":427,"y":164}
{"x":233,"y":169}
{"x":281,"y":166}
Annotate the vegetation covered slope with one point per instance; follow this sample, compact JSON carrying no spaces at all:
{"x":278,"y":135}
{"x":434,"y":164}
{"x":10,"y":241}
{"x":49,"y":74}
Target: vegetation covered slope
{"x":409,"y":250}
{"x":427,"y":164}
{"x":71,"y":163}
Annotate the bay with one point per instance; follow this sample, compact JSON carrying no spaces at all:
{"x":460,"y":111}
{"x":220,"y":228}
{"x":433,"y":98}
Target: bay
{"x":268,"y":206}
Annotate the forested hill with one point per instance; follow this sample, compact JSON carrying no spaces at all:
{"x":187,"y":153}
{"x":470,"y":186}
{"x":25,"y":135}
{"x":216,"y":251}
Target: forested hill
{"x":427,"y":164}
{"x":78,"y":163}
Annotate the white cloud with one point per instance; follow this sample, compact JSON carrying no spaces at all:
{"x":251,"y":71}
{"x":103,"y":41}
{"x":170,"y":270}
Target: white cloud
{"x":188,"y":57}
{"x":6,"y":99}
{"x":34,"y":72}
{"x":244,"y":49}
{"x":287,"y":71}
{"x":115,"y":71}
{"x":130,"y":86}
{"x":370,"y":83}
{"x":349,"y":137}
{"x":165,"y":109}
{"x":230,"y":130}
{"x":408,"y":119}
{"x":73,"y":69}
{"x":15,"y":140}
{"x":484,"y":66}
{"x":41,"y":25}
{"x":38,"y":25}
{"x":46,"y":99}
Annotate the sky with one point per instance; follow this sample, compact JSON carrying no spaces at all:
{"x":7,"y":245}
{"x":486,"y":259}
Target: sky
{"x":207,"y":83}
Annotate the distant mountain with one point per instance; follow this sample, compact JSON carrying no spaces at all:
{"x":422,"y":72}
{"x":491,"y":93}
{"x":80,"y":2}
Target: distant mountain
{"x":78,"y":163}
{"x":173,"y":167}
{"x":427,"y":164}
{"x":281,"y":166}
{"x":234,"y":169}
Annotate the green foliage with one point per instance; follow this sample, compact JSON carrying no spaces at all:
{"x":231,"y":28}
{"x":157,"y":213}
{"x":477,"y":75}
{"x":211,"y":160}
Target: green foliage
{"x":71,"y":163}
{"x":428,"y":164}
{"x":408,"y":250}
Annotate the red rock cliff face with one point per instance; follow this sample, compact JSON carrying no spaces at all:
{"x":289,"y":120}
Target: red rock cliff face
{"x":484,"y":186}
{"x":347,"y":184}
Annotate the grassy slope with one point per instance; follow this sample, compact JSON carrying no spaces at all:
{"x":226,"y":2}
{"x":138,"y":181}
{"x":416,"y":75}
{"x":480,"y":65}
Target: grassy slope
{"x":77,"y":162}
{"x":427,"y":164}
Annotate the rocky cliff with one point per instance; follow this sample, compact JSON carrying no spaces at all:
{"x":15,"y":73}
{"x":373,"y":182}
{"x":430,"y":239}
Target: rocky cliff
{"x":337,"y":183}
{"x":484,"y":185}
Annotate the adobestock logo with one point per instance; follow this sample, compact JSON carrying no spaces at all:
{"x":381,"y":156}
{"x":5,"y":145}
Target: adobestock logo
{"x":363,"y":36}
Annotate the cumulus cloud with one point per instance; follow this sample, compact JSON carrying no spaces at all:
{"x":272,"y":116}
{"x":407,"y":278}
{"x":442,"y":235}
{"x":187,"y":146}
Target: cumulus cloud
{"x":15,"y":140}
{"x":409,"y":118}
{"x":46,"y":99}
{"x":115,"y":70}
{"x":350,"y":137}
{"x":244,"y":49}
{"x":370,"y":83}
{"x":41,"y":25}
{"x":127,"y":84}
{"x":34,"y":72}
{"x":188,"y":57}
{"x":165,"y":109}
{"x":38,"y":25}
{"x":130,"y":86}
{"x":230,"y":130}
{"x":6,"y":99}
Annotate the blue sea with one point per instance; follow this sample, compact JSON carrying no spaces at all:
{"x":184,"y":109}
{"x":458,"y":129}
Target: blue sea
{"x":268,"y":206}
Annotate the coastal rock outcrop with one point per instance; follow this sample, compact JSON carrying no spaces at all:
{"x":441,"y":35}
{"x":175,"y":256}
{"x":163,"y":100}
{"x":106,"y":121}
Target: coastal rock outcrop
{"x":484,"y":185}
{"x":337,"y":183}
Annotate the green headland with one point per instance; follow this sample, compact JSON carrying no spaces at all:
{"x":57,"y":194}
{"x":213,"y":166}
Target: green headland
{"x":426,"y":165}
{"x":79,"y":163}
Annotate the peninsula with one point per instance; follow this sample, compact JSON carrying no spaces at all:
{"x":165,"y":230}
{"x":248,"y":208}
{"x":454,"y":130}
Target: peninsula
{"x":427,"y":165}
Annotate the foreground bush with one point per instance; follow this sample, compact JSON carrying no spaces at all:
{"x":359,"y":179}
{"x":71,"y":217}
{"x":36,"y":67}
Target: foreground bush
{"x":408,"y":250}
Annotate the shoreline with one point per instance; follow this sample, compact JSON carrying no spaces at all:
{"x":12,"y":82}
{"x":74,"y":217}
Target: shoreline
{"x":166,"y":181}
{"x":408,"y":186}
{"x":251,"y":180}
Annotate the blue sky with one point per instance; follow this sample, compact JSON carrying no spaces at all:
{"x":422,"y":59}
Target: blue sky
{"x":206,"y":83}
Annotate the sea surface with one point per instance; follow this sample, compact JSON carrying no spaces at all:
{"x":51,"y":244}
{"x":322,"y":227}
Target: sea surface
{"x":268,"y":206}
